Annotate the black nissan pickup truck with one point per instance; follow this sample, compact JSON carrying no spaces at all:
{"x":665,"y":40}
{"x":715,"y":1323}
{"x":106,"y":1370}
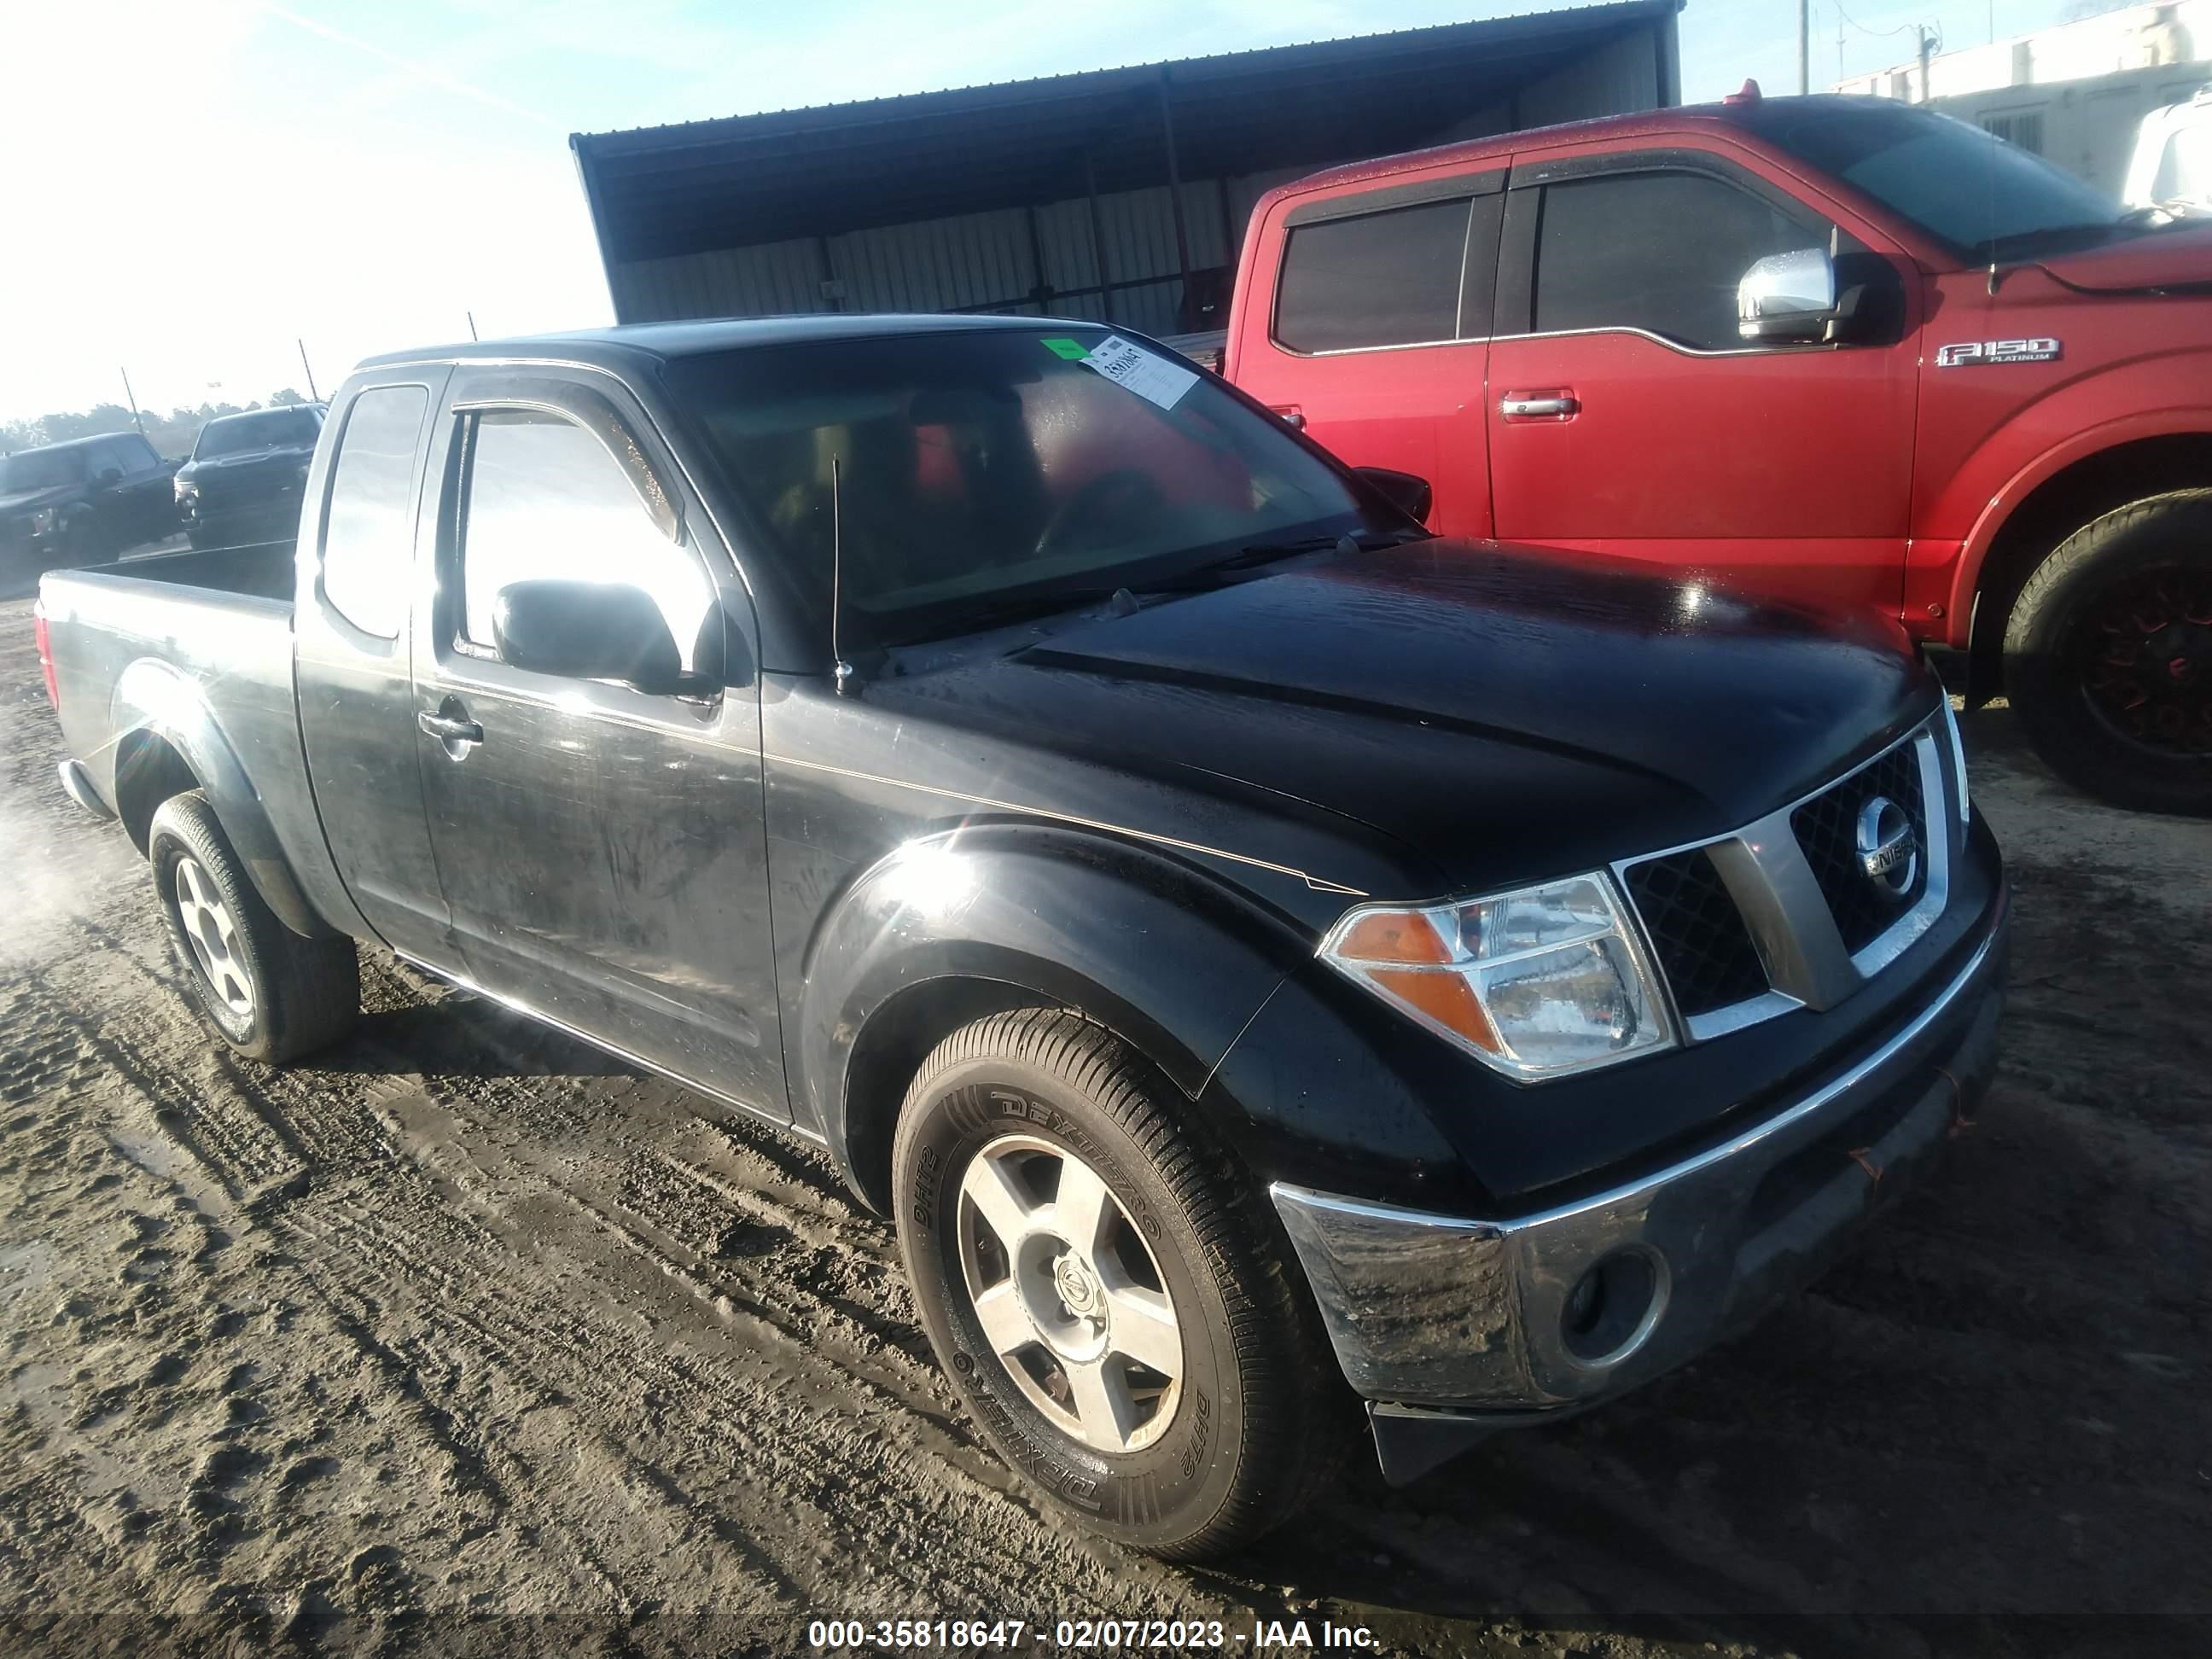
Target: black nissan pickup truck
{"x":1258,"y":953}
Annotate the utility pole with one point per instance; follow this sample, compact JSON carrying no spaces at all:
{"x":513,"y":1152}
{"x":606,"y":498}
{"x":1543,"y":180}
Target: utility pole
{"x":313,"y":396}
{"x":1927,"y":45}
{"x":1805,"y":46}
{"x":131,"y":398}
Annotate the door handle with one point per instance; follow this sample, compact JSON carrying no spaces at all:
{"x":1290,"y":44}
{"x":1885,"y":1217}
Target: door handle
{"x":1290,"y":415}
{"x":1535,"y":406}
{"x":449,"y":728}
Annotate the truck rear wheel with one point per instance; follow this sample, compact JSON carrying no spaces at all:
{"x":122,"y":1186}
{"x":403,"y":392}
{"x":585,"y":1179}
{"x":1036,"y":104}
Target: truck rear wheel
{"x":2108,"y":655}
{"x":270,"y":994}
{"x":1106,"y":1295}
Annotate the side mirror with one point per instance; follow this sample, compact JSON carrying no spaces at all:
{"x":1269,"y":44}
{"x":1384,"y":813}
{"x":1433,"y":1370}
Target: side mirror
{"x":1411,"y":495}
{"x":1788,"y":296}
{"x":591,"y":631}
{"x":107,"y":477}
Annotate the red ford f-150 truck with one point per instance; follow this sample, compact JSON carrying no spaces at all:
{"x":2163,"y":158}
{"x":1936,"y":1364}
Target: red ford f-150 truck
{"x":1836,"y":347}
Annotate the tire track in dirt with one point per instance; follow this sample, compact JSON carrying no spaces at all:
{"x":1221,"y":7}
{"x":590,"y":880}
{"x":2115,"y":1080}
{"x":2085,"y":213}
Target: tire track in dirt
{"x":363,"y":1183}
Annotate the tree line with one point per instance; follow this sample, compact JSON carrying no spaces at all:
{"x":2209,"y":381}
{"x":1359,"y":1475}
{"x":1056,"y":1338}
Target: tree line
{"x":172,"y":435}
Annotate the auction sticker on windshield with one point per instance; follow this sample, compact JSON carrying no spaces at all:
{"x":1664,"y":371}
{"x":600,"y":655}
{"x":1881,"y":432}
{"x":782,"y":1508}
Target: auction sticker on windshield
{"x":1154,"y":378}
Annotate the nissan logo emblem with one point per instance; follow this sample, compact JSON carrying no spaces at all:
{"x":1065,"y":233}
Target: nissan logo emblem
{"x":1888,"y":851}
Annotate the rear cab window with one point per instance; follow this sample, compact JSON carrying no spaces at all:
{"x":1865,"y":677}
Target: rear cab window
{"x":1400,"y":265}
{"x":368,"y":534}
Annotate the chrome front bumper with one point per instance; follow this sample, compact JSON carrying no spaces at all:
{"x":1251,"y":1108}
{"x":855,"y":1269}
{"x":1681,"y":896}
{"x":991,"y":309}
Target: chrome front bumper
{"x":1443,"y":1311}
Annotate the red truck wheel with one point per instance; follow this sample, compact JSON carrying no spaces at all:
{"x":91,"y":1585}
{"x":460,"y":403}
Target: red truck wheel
{"x":2108,"y":655}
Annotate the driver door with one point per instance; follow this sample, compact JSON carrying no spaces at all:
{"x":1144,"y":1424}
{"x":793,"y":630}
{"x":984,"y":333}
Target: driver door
{"x":1627,"y":415}
{"x":602,"y":850}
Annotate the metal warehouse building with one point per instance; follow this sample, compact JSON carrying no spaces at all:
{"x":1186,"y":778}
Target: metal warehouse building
{"x":1119,"y":195}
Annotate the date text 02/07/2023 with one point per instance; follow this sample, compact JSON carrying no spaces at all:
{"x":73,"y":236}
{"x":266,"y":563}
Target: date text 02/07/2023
{"x":1263,"y":1636}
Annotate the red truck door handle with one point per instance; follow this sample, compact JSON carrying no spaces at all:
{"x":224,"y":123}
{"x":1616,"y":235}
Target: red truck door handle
{"x":1558,"y":405}
{"x":1291,"y":414}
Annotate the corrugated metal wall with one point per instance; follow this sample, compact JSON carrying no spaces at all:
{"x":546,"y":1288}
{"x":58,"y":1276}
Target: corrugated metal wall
{"x":974,"y":262}
{"x":1620,"y":76}
{"x":997,"y":260}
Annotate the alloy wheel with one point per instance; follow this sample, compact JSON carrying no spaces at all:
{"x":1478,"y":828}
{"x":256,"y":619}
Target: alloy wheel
{"x":212,"y":936}
{"x":1069,"y":1294}
{"x":2147,"y":663}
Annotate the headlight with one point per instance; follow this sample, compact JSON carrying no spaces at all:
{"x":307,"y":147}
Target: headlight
{"x":43,"y":520}
{"x":1958,"y":763}
{"x":185,"y":489}
{"x":1533,"y":983}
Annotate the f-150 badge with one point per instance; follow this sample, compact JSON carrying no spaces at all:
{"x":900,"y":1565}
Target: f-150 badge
{"x":1968,"y":353}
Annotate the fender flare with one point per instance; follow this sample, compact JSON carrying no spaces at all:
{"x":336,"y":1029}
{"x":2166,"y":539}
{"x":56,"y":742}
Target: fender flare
{"x":1168,"y":960}
{"x":153,"y":700}
{"x":1996,"y":512}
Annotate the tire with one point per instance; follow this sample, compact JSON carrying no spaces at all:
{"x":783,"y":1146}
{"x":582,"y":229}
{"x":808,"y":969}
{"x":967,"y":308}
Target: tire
{"x":271,"y":994}
{"x":1255,"y":1421}
{"x":2108,"y":656}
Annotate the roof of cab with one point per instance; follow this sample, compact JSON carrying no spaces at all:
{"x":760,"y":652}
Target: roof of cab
{"x":635,"y":342}
{"x":1738,"y":119}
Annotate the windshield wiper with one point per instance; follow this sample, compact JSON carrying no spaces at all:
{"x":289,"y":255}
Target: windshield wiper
{"x":997,"y":611}
{"x":1253,"y":554}
{"x":2054,"y":238}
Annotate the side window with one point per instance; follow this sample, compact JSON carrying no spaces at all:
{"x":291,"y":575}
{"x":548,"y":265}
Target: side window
{"x":1660,"y":252}
{"x":1388,"y":279}
{"x":112,"y":452}
{"x":544,"y":499}
{"x":132,"y":453}
{"x":367,"y":549}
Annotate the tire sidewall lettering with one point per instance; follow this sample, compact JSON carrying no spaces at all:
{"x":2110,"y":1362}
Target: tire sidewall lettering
{"x":1172,"y":1474}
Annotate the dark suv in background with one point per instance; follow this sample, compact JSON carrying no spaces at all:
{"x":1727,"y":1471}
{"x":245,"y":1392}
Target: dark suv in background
{"x":82,"y":501}
{"x":242,"y":483}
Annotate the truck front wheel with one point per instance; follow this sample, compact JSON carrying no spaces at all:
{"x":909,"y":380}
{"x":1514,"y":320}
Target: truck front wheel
{"x":270,"y":994}
{"x":1105,"y":1295}
{"x":2108,"y":655}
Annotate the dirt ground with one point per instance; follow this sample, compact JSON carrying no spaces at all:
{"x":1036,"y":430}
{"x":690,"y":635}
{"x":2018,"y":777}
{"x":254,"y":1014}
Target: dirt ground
{"x":468,"y":1338}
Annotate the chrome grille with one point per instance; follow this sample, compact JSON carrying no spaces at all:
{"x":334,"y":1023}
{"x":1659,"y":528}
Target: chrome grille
{"x":1783,"y":914}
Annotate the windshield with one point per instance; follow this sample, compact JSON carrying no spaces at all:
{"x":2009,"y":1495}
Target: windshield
{"x":1988,"y":198}
{"x":41,"y":469}
{"x":267,"y":428}
{"x":978,"y":468}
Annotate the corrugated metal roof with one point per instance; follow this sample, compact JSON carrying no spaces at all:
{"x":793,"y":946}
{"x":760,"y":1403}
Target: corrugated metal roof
{"x":822,"y":169}
{"x":1607,"y":12}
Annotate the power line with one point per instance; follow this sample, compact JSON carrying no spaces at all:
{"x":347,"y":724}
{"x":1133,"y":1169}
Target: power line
{"x":1878,"y":33}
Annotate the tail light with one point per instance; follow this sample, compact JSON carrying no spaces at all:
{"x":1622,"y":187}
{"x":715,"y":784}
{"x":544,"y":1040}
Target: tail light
{"x":46,"y":656}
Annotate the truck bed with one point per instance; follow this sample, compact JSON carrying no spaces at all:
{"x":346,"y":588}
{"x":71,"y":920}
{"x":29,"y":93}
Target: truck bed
{"x":195,"y":650}
{"x":261,"y":570}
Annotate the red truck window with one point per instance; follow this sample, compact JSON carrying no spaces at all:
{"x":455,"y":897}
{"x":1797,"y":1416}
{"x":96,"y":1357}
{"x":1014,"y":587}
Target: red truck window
{"x":1659,"y":252}
{"x":1377,"y":279}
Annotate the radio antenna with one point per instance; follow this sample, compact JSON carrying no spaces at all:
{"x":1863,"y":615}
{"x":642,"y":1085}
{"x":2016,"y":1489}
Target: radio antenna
{"x":840,"y":671}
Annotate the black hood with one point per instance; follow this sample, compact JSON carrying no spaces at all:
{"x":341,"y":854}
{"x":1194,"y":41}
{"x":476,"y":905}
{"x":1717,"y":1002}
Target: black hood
{"x":1503,"y":714}
{"x":30,"y":500}
{"x":290,"y":457}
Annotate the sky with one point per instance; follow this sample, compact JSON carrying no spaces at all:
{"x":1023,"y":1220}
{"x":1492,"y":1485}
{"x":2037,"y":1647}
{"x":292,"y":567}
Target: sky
{"x":189,"y":189}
